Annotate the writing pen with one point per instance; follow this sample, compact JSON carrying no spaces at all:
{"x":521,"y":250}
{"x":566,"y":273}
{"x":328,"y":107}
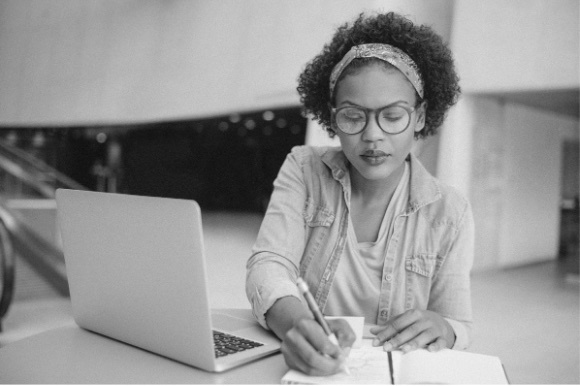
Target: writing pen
{"x":303,"y":288}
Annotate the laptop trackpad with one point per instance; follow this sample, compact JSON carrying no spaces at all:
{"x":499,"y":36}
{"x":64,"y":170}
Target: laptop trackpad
{"x":230,"y":323}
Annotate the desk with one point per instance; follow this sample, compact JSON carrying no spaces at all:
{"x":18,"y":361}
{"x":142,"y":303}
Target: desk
{"x":73,"y":355}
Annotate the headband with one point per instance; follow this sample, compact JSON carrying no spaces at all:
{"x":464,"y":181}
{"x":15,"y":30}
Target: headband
{"x":385,"y":52}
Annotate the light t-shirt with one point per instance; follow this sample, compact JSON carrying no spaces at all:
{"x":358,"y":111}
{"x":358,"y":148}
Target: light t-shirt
{"x":356,"y":287}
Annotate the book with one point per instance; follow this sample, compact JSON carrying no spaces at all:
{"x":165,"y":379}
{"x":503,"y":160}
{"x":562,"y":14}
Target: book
{"x":372,"y":365}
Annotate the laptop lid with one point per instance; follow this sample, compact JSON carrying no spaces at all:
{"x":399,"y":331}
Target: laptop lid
{"x":137,"y":273}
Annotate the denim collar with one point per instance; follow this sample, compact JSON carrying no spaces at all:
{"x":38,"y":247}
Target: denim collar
{"x":423,"y":187}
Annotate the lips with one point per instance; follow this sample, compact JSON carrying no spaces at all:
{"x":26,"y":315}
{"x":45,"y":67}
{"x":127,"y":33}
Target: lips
{"x":374,"y":153}
{"x":374,"y":157}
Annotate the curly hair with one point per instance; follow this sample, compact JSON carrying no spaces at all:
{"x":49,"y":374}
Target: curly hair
{"x":421,"y":43}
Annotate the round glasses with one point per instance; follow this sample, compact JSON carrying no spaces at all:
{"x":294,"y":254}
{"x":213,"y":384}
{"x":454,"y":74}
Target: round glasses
{"x":391,"y":119}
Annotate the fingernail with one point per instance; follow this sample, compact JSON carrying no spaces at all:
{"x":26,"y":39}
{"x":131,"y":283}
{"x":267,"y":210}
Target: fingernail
{"x":387,"y":346}
{"x":376,"y":342}
{"x":406,"y":348}
{"x":432,"y":348}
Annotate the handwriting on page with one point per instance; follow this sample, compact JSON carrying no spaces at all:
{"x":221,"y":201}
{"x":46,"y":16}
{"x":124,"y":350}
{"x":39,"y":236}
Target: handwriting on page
{"x":367,"y":365}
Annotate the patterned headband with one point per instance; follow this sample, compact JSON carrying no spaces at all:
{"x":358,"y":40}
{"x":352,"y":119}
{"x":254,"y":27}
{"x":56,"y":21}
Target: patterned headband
{"x":385,"y":52}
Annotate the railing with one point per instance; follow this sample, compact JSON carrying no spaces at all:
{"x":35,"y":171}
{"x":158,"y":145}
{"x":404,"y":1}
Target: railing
{"x":6,"y":270}
{"x":33,"y":172}
{"x":16,"y":237}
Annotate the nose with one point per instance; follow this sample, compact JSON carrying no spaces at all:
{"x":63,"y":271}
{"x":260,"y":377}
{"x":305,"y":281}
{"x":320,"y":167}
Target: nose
{"x":372,"y":131}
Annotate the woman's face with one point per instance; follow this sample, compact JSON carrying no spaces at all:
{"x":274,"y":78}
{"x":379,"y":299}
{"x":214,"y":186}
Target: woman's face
{"x":375,"y":155}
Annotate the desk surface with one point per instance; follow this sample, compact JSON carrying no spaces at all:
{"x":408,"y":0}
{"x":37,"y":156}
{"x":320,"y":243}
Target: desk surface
{"x":73,"y":355}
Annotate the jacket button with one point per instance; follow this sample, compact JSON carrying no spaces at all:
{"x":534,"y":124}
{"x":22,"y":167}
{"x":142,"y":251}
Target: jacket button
{"x":384,"y":313}
{"x":388,"y":278}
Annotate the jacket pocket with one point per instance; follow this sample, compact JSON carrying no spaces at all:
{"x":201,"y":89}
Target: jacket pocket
{"x":317,"y":216}
{"x":420,"y":269}
{"x":422,"y":264}
{"x":318,"y":223}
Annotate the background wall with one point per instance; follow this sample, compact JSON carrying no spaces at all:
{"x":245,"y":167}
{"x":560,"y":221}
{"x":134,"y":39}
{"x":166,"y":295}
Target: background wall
{"x":514,"y":155}
{"x":502,"y":144}
{"x":533,"y":144}
{"x":94,"y":61}
{"x":516,"y":45}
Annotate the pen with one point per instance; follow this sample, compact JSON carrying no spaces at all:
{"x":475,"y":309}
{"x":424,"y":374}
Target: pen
{"x":303,"y":288}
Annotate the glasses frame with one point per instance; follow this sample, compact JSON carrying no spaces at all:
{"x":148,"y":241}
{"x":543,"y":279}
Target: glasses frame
{"x":410,"y":110}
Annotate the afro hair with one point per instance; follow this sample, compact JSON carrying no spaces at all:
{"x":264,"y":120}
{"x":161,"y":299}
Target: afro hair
{"x":421,"y":43}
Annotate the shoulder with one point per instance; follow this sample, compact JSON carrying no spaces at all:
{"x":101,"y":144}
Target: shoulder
{"x":445,"y":204}
{"x":452,"y":208}
{"x":305,"y":152}
{"x":452,"y":198}
{"x":314,"y":156}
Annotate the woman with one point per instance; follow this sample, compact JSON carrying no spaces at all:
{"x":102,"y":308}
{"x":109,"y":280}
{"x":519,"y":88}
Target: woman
{"x":367,"y":227}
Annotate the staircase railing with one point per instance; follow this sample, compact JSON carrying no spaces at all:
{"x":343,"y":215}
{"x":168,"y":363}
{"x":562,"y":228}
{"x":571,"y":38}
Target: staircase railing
{"x":18,"y":238}
{"x":6,"y":270}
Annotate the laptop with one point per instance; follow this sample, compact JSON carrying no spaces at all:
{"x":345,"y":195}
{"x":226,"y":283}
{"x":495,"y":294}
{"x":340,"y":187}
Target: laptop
{"x":137,"y":273}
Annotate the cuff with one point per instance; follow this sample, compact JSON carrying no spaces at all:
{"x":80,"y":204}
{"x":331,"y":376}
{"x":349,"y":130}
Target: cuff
{"x":265,"y":297}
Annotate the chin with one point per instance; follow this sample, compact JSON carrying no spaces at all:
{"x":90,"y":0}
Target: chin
{"x":376,"y":174}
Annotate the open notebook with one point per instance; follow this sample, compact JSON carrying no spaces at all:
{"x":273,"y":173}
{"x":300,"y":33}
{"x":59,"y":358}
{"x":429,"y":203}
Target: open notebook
{"x":371,"y":365}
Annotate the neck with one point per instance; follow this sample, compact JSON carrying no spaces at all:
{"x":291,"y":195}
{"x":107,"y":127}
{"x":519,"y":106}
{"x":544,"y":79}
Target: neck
{"x":370,"y":190}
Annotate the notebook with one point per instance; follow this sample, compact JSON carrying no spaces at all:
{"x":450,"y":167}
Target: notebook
{"x":372,"y":365}
{"x":137,"y":273}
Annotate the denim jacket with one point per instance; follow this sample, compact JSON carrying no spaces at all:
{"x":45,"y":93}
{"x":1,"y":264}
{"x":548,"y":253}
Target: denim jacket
{"x":304,"y":231}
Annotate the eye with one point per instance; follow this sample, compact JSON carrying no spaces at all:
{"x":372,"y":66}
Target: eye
{"x":394,"y":113}
{"x":353,"y":114}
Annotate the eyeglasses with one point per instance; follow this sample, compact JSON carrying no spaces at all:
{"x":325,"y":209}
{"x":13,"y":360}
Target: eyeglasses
{"x":392,"y":119}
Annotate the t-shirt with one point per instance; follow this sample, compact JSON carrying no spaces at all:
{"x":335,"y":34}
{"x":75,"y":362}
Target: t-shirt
{"x":356,"y":287}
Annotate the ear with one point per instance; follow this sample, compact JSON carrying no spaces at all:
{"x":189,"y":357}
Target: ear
{"x":421,"y":112}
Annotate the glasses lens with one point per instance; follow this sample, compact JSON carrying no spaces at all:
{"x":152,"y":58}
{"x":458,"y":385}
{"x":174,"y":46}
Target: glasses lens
{"x":394,"y":119}
{"x":351,"y":120}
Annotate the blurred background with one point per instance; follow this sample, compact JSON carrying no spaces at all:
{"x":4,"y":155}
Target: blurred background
{"x":197,"y":99}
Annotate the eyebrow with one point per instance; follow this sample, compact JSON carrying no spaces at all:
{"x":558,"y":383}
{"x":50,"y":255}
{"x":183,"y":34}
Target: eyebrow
{"x":382,"y":107}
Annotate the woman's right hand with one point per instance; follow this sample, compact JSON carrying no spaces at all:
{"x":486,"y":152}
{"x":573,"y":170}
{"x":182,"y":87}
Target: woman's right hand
{"x":304,"y":344}
{"x":307,"y":348}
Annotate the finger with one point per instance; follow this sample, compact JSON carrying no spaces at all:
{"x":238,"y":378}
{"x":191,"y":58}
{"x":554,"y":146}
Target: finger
{"x":439,"y":344}
{"x":383,"y":334}
{"x":295,"y":361}
{"x":316,"y":338}
{"x":343,"y":332}
{"x":301,"y":353}
{"x":420,"y":341}
{"x":315,"y":335}
{"x":406,"y":335}
{"x":395,"y":325}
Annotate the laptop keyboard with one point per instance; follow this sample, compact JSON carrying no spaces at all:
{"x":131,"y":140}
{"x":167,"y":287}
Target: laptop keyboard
{"x":225,"y":344}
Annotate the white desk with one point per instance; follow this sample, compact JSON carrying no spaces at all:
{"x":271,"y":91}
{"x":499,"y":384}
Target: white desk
{"x":73,"y":355}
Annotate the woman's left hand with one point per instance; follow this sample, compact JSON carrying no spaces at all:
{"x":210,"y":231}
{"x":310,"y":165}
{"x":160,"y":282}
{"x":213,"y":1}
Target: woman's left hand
{"x":415,"y":329}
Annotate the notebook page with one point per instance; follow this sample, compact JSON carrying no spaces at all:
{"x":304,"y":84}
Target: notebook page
{"x":448,"y":367}
{"x":367,"y":365}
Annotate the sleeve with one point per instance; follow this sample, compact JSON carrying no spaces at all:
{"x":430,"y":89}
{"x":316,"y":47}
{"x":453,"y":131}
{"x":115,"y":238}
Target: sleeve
{"x":451,"y":289}
{"x":273,"y":267}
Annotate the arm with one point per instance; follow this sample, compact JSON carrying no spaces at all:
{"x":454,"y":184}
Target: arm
{"x":272,"y":271}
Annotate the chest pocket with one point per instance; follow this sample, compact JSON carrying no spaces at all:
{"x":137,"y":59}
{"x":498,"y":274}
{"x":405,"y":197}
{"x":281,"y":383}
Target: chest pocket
{"x":317,"y":223}
{"x":422,"y":264}
{"x":420,"y":269}
{"x":317,"y":216}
